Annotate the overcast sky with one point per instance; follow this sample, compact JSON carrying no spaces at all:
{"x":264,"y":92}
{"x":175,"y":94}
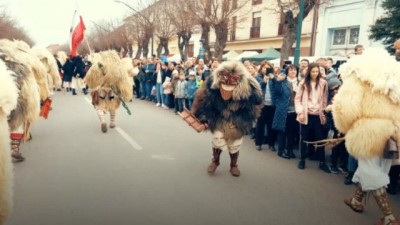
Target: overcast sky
{"x":48,"y":21}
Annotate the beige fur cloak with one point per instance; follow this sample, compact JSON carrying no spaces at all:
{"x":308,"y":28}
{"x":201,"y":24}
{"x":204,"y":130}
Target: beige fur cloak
{"x":367,"y":107}
{"x":109,"y":73}
{"x":8,"y":101}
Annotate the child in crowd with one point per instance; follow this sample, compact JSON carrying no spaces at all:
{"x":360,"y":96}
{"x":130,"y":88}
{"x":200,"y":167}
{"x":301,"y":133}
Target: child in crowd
{"x":191,"y":88}
{"x":175,"y":79}
{"x":167,"y":90}
{"x":180,"y":92}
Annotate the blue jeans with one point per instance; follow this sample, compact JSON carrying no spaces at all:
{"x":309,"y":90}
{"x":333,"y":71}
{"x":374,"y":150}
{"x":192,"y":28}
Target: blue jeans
{"x":352,"y":164}
{"x":149,"y":86}
{"x":159,"y":93}
{"x":190,"y":102}
{"x":143,"y":89}
{"x":181,"y":103}
{"x":166,"y":99}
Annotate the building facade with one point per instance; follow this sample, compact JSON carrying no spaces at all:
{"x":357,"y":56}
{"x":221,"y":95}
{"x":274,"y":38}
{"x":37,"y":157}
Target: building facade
{"x":257,"y":26}
{"x":344,"y":24}
{"x":262,"y":28}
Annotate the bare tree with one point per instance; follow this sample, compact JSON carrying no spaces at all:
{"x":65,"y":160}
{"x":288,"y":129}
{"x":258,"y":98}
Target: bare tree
{"x":183,"y":20}
{"x":9,"y":28}
{"x":202,"y":16}
{"x":289,"y":9}
{"x":218,"y":14}
{"x":164,"y":28}
{"x":144,"y":16}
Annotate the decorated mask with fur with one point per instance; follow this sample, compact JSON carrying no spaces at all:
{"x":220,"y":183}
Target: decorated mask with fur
{"x":232,"y":79}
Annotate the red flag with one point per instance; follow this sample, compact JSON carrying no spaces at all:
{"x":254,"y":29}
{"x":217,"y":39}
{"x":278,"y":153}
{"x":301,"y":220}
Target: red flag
{"x":77,"y":32}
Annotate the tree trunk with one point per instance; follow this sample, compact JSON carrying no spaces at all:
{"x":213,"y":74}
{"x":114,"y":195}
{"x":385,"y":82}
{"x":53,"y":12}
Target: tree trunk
{"x":205,"y":35}
{"x":159,"y":47}
{"x":139,"y":50}
{"x":130,"y":49}
{"x":183,"y":42}
{"x":221,"y":33}
{"x":166,"y":47}
{"x":145,"y":47}
{"x":291,"y":29}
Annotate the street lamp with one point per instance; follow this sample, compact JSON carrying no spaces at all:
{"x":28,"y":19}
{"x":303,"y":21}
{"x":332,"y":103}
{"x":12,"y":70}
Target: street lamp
{"x":298,"y":34}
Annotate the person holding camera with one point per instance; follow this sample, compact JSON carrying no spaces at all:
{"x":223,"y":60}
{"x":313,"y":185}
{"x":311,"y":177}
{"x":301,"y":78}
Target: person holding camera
{"x":267,"y":113}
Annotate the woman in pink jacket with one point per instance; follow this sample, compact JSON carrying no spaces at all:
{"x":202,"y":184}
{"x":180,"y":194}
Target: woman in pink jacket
{"x":310,"y":102}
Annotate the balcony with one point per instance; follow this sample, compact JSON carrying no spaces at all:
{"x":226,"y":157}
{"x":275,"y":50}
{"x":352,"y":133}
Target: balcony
{"x":254,"y":32}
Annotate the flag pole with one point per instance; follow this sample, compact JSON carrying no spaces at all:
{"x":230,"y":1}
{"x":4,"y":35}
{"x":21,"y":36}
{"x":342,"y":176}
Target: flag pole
{"x":87,"y":43}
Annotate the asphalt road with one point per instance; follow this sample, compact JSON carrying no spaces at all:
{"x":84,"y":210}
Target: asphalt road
{"x":151,"y":170}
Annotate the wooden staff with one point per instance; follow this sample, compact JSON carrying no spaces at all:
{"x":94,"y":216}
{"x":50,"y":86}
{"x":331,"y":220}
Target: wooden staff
{"x":325,"y":142}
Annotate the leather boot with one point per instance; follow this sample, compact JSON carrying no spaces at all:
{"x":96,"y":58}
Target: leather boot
{"x":214,"y":161}
{"x":112,"y":119}
{"x":100,"y":113}
{"x":234,"y":167}
{"x":73,"y":91}
{"x":382,"y":200}
{"x":15,"y":152}
{"x":355,"y":203}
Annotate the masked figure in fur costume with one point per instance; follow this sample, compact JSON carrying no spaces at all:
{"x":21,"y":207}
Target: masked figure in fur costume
{"x":109,"y":81}
{"x":8,"y":102}
{"x":367,"y":110}
{"x":30,"y":78}
{"x":228,"y":103}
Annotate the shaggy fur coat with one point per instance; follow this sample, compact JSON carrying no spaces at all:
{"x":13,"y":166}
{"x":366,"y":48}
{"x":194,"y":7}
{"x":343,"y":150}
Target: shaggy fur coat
{"x":108,"y":72}
{"x":367,"y":106}
{"x":8,"y":101}
{"x":233,"y":117}
{"x":20,"y":52}
{"x":28,"y":107}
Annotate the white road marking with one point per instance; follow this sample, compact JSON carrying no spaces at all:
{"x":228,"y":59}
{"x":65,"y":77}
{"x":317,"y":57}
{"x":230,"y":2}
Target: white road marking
{"x":88,"y":101}
{"x":130,"y":140}
{"x":126,"y":136}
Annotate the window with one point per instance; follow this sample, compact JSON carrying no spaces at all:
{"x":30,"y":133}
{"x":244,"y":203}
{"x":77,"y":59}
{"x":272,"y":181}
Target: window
{"x":343,"y":40}
{"x":256,"y":2}
{"x":339,"y":37}
{"x":255,"y":26}
{"x":233,"y":31}
{"x":345,"y":36}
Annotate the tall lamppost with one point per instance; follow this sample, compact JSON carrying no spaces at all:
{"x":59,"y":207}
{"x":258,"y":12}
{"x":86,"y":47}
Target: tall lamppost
{"x":298,"y":34}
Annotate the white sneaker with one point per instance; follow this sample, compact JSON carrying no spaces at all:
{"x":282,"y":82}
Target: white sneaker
{"x":158,"y":104}
{"x":163,"y":105}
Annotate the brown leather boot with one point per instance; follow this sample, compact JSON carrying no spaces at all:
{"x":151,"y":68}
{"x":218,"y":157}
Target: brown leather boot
{"x":382,"y":200}
{"x":112,"y":119}
{"x":104,"y":127}
{"x":234,"y":167}
{"x":215,"y":161}
{"x":355,"y":202}
{"x":103,"y":123}
{"x":15,"y":152}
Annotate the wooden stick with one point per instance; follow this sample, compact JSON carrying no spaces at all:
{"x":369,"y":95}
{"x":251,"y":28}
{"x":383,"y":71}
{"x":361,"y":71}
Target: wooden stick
{"x":325,"y":142}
